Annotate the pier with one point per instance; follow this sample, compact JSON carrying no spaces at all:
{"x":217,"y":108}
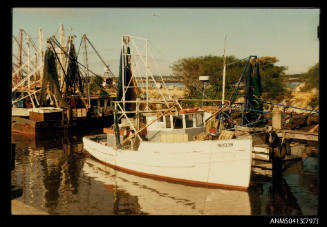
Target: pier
{"x":298,"y":135}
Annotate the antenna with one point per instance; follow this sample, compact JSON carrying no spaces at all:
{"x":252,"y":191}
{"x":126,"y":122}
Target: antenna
{"x":224,"y":72}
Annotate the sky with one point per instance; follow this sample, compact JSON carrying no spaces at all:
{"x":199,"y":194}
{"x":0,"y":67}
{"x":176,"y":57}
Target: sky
{"x":175,"y":33}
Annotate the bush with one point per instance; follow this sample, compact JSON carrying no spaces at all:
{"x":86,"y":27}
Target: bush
{"x":95,"y":83}
{"x":311,"y":78}
{"x":191,"y":68}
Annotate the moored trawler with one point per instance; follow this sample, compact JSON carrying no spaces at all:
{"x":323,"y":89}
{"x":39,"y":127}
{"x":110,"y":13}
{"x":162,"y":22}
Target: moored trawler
{"x":160,"y":139}
{"x":172,"y":153}
{"x":44,"y":119}
{"x":55,"y":93}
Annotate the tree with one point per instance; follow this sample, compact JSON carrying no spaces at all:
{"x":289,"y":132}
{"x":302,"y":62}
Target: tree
{"x":311,"y":78}
{"x":96,"y":83}
{"x":272,"y":78}
{"x":191,"y":68}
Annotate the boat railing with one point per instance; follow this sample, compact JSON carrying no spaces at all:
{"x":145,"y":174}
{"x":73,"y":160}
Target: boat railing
{"x":205,"y":100}
{"x":119,"y":108}
{"x":136,"y":132}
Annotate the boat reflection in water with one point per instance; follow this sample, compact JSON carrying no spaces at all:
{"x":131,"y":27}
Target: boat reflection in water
{"x":49,"y":173}
{"x":161,"y":197}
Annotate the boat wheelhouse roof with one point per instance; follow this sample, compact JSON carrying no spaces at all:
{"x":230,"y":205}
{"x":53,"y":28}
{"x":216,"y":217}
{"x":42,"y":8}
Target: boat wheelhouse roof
{"x":180,"y":112}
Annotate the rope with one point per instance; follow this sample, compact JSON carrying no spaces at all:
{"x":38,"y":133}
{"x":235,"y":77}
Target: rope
{"x":239,"y":81}
{"x":58,"y":44}
{"x":266,"y":119}
{"x":257,"y":121}
{"x":107,"y":66}
{"x":298,"y":117}
{"x":236,"y":61}
{"x":294,"y":107}
{"x":284,"y":115}
{"x":162,"y":80}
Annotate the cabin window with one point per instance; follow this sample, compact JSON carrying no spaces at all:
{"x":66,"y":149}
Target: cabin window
{"x":178,"y":122}
{"x":161,"y":119}
{"x":189,"y":120}
{"x":199,"y":120}
{"x":167,"y":118}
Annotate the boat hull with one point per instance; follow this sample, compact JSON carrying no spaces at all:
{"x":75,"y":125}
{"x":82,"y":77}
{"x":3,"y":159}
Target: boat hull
{"x":220,"y":163}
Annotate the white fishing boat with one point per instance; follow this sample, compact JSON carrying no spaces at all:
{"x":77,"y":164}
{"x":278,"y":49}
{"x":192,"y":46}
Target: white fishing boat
{"x":172,"y":154}
{"x":166,"y":146}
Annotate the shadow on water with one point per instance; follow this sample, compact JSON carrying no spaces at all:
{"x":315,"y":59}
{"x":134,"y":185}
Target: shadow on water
{"x":281,"y":199}
{"x":59,"y":177}
{"x":291,"y":189}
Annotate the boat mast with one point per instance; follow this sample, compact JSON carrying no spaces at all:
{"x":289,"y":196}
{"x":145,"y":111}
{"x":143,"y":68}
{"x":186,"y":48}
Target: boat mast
{"x":87,"y":69}
{"x":41,"y":54}
{"x":123,"y":69}
{"x":61,"y":54}
{"x":28,"y":62}
{"x":146,"y":74}
{"x":224,"y":73}
{"x":20,"y":52}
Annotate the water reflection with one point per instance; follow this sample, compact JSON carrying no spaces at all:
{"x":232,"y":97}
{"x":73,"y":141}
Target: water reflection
{"x":160,"y":197}
{"x":59,"y":177}
{"x":292,"y":191}
{"x":282,"y":201}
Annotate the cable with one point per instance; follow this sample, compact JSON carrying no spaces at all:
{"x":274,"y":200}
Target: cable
{"x":58,"y":44}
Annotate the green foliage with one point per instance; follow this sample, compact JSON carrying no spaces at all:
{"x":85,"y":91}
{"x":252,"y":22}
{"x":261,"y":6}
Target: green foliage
{"x":95,"y":83}
{"x":273,"y":89}
{"x":191,"y":68}
{"x":272,"y":78}
{"x":311,"y":78}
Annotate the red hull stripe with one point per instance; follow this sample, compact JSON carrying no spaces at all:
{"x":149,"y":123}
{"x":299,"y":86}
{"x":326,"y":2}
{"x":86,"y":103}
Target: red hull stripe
{"x":176,"y":180}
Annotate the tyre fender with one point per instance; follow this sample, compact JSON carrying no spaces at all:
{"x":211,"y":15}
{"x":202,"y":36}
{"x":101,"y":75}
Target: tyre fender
{"x":271,"y":139}
{"x":281,"y":151}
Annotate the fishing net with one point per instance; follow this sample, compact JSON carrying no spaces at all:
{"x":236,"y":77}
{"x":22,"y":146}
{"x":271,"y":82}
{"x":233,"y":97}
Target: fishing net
{"x":50,"y":83}
{"x":132,"y":91}
{"x":253,"y":90}
{"x":73,"y":78}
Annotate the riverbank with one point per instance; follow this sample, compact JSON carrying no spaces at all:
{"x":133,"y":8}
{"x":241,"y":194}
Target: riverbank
{"x":302,"y":99}
{"x":172,"y":91}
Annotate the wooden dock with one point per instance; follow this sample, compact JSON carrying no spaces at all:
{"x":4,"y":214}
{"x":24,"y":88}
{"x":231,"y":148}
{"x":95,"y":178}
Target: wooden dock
{"x":287,"y":134}
{"x":300,"y":135}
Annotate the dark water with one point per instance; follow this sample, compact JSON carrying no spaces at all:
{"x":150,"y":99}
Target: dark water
{"x":59,"y":177}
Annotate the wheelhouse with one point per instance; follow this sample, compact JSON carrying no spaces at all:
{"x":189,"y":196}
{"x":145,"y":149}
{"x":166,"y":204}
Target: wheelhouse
{"x":189,"y":124}
{"x":181,"y":121}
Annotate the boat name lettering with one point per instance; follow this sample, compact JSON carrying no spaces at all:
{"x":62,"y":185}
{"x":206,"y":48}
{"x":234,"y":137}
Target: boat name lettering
{"x":225,"y":144}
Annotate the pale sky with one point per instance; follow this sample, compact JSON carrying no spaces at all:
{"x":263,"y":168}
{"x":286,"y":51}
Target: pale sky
{"x":175,"y":33}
